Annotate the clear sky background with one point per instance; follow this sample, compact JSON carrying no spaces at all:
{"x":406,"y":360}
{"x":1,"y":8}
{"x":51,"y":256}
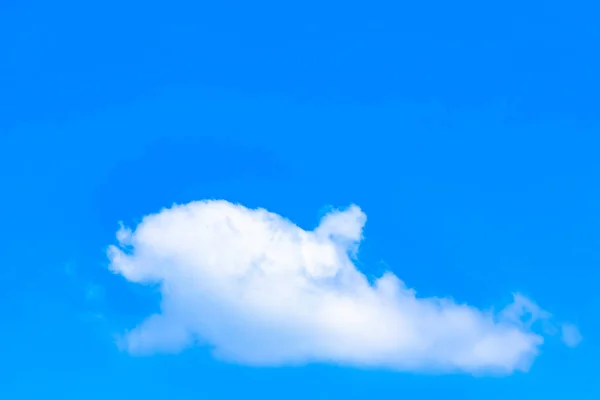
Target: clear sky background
{"x":467,"y":131}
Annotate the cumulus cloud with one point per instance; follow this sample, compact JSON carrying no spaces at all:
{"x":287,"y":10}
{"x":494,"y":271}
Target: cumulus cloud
{"x":262,"y":291}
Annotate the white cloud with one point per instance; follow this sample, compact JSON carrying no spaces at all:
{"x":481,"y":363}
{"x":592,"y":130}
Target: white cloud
{"x":262,"y":291}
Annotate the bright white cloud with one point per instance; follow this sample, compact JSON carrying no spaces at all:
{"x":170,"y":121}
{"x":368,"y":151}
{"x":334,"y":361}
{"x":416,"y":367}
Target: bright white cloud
{"x":262,"y":291}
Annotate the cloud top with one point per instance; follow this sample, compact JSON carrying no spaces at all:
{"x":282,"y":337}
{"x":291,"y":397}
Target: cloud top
{"x":262,"y":291}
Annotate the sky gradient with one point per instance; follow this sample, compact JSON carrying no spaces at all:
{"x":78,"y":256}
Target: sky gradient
{"x":467,"y":133}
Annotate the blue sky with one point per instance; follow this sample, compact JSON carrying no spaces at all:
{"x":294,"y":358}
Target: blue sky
{"x":466,"y":132}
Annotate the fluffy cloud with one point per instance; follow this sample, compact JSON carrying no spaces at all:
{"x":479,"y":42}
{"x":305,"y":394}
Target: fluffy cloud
{"x":262,"y":291}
